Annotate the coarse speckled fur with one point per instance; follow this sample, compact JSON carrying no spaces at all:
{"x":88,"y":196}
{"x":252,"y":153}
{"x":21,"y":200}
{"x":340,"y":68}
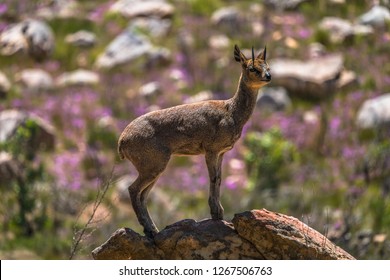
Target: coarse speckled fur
{"x":209,"y":127}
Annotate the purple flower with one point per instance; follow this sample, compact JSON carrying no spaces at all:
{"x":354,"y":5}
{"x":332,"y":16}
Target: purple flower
{"x":3,"y":8}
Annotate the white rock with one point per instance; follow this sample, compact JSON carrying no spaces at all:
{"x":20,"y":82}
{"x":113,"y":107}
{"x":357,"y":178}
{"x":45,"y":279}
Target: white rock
{"x":374,"y":112}
{"x":143,"y":8}
{"x":377,"y":16}
{"x":125,"y":48}
{"x":81,"y":38}
{"x":35,"y":79}
{"x":150,"y":89}
{"x":64,"y":9}
{"x":316,"y":78}
{"x":30,"y":36}
{"x":78,"y":77}
{"x":340,"y":29}
{"x":273,"y":99}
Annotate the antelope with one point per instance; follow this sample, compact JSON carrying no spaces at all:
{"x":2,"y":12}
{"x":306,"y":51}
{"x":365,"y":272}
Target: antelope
{"x":209,"y":127}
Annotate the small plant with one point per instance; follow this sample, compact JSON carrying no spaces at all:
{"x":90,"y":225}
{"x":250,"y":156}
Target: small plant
{"x":19,"y":146}
{"x":267,"y":159}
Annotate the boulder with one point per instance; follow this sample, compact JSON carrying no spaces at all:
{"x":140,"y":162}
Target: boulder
{"x":374,"y":112}
{"x":273,"y":99}
{"x":313,"y":79}
{"x":128,"y":46}
{"x":229,"y":17}
{"x":256,"y":234}
{"x":155,"y":27}
{"x":278,"y":236}
{"x":283,"y":4}
{"x":82,"y":38}
{"x":35,"y":79}
{"x":158,"y":57}
{"x":11,"y":120}
{"x":377,"y":16}
{"x":340,"y":29}
{"x":150,"y":90}
{"x":143,"y":8}
{"x":5,"y":85}
{"x":63,"y":9}
{"x":30,"y":36}
{"x":78,"y":77}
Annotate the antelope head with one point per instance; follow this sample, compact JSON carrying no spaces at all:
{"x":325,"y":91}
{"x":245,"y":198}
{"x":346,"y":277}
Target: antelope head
{"x":256,"y":71}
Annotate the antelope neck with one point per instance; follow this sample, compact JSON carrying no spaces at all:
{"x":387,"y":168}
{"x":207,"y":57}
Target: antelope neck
{"x":243,"y":102}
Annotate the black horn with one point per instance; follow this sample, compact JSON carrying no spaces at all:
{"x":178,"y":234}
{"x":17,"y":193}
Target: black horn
{"x":265,"y":52}
{"x":253,"y":57}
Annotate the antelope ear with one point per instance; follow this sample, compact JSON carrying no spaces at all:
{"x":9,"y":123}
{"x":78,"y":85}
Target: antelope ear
{"x":263,"y":54}
{"x":238,"y":55}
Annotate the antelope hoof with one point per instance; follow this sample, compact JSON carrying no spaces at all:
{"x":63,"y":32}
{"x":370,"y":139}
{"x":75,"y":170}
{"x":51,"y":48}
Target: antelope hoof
{"x":217,"y":215}
{"x":150,"y":233}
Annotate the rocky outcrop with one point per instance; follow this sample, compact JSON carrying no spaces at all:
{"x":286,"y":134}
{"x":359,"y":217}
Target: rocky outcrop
{"x":374,"y":112}
{"x":256,"y":234}
{"x":35,"y":79}
{"x":78,"y":77}
{"x":30,"y":36}
{"x":11,"y":120}
{"x":128,"y":46}
{"x":316,"y":79}
{"x":341,"y":30}
{"x":143,"y":8}
{"x":377,"y":16}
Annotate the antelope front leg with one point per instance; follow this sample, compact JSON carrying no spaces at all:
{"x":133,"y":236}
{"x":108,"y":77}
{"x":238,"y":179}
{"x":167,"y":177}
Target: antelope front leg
{"x":214,"y":162}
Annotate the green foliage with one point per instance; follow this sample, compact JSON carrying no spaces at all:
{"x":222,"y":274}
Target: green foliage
{"x":268,"y":158}
{"x":20,"y":147}
{"x":204,"y":7}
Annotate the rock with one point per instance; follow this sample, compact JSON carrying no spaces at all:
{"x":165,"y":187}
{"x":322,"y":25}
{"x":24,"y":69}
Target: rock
{"x":150,"y":90}
{"x":282,"y":237}
{"x":5,"y":85}
{"x":283,"y":4}
{"x":143,"y":8}
{"x":78,"y":78}
{"x":256,"y":234}
{"x":340,"y":29}
{"x":126,"y":244}
{"x":155,"y":27}
{"x":29,"y":36}
{"x":313,"y":79}
{"x":35,"y":79}
{"x":347,"y":79}
{"x":273,"y":99}
{"x":158,"y":57}
{"x":204,"y":240}
{"x":9,"y":168}
{"x":125,"y":48}
{"x":219,"y":42}
{"x":82,"y":38}
{"x":374,"y":112}
{"x":377,"y":16}
{"x":11,"y":120}
{"x":63,"y":9}
{"x":316,"y":50}
{"x":229,"y":17}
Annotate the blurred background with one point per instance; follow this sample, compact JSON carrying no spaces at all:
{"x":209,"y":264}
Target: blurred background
{"x":73,"y":74}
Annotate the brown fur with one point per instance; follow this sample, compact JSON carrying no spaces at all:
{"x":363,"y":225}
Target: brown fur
{"x":210,"y":128}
